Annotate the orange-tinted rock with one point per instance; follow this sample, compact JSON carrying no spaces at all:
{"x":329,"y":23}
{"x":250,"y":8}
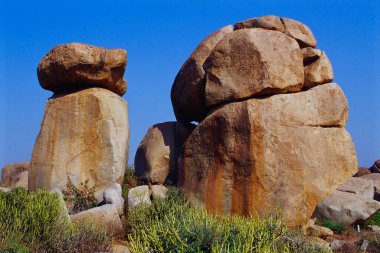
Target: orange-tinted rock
{"x":156,"y":156}
{"x":84,"y":135}
{"x":310,"y":55}
{"x":253,"y":62}
{"x":269,"y":22}
{"x":375,"y":168}
{"x":187,"y":92}
{"x":318,"y":72}
{"x":362,"y":171}
{"x":288,"y":151}
{"x":300,"y":32}
{"x":74,"y":66}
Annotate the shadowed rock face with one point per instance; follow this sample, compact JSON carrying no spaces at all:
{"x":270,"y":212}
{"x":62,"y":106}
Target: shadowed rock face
{"x":288,"y":151}
{"x":84,"y":135}
{"x":74,"y":66}
{"x":15,"y":175}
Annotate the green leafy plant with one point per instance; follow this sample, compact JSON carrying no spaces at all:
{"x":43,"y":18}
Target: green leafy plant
{"x":80,"y":198}
{"x":175,"y":225}
{"x":336,"y":227}
{"x":374,"y":219}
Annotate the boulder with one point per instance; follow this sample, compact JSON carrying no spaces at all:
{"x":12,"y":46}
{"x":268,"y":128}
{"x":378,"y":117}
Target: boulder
{"x":75,"y":66}
{"x":358,"y":186}
{"x":158,"y":192}
{"x":300,"y":32}
{"x":288,"y":151}
{"x":375,"y":179}
{"x":139,"y":195}
{"x":318,"y":72}
{"x":310,"y":55}
{"x":156,"y":156}
{"x":375,"y":167}
{"x":15,"y":175}
{"x":84,"y":135}
{"x":187,"y":93}
{"x":106,"y":216}
{"x":362,"y":171}
{"x":253,"y":62}
{"x":318,"y":231}
{"x":269,"y":22}
{"x":112,"y":195}
{"x":346,"y":208}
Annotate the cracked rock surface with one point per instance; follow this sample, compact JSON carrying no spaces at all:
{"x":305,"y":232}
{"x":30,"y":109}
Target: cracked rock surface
{"x":84,"y":135}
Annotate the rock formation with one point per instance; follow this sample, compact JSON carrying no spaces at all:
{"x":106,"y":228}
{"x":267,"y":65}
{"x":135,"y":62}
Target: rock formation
{"x":84,"y":132}
{"x":156,"y":156}
{"x":272,"y":125}
{"x":15,"y":175}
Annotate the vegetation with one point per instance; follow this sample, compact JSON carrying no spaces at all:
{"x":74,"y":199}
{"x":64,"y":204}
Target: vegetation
{"x":174,"y":225}
{"x":336,"y":227}
{"x":80,"y":198}
{"x":374,"y":220}
{"x":37,"y":222}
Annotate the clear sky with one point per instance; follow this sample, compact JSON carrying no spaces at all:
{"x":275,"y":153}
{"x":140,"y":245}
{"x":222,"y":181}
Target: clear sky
{"x":159,"y":36}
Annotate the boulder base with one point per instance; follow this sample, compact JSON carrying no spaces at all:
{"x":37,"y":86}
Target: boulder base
{"x":84,"y":135}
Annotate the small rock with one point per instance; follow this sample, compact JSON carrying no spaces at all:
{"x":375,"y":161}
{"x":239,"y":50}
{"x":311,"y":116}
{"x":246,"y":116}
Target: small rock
{"x":375,"y":167}
{"x":15,"y":175}
{"x":112,"y":195}
{"x":139,"y":195}
{"x":106,"y":216}
{"x":158,"y":192}
{"x":310,"y":55}
{"x":358,"y":186}
{"x":300,"y":32}
{"x":364,"y":246}
{"x":318,"y":72}
{"x":375,"y":228}
{"x":318,"y":231}
{"x":362,"y":171}
{"x":119,"y":248}
{"x":269,"y":22}
{"x":3,"y":189}
{"x":318,"y":242}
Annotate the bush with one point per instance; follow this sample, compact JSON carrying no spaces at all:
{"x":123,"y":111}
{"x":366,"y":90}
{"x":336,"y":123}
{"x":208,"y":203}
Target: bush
{"x":374,"y":220}
{"x":80,"y":198}
{"x":336,"y":227}
{"x":174,"y":225}
{"x":37,"y":222}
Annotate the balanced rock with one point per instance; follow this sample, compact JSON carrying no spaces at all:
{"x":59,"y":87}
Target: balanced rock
{"x":156,"y":156}
{"x":318,"y":72}
{"x":84,"y":135}
{"x":15,"y":175}
{"x":75,"y":66}
{"x":187,"y":92}
{"x":253,"y":62}
{"x":288,"y":151}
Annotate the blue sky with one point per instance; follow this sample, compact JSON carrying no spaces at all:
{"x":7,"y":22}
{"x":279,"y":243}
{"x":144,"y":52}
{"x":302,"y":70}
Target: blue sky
{"x":159,"y":36}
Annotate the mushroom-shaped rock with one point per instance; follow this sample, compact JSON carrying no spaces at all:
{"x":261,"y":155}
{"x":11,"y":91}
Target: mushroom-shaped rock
{"x":288,"y":151}
{"x":74,"y":66}
{"x":187,"y":92}
{"x":253,"y":62}
{"x":156,"y":156}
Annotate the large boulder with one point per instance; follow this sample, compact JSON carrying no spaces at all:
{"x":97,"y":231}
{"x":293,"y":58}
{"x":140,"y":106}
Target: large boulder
{"x":75,"y":66}
{"x":346,"y":208}
{"x":156,"y":156}
{"x":84,"y":135}
{"x":288,"y":151}
{"x":375,"y":179}
{"x":318,"y":72}
{"x":15,"y":175}
{"x":253,"y":62}
{"x":187,"y":92}
{"x":358,"y":186}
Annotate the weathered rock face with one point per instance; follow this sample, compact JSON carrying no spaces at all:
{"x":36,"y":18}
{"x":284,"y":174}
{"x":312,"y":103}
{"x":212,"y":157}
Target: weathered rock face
{"x":300,"y":32}
{"x":375,"y":179}
{"x":15,"y":175}
{"x":76,"y":66}
{"x":157,"y":155}
{"x":84,"y":135}
{"x":187,"y":92}
{"x":253,"y":62}
{"x":269,"y":22}
{"x":358,"y":186}
{"x":318,"y":72}
{"x":288,"y":151}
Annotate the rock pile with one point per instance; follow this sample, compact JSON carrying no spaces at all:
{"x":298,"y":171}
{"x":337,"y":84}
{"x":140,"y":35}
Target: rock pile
{"x":85,"y":130}
{"x":271,"y":130}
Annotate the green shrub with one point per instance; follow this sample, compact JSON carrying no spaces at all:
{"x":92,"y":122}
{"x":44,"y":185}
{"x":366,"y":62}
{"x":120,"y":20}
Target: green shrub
{"x":336,"y":227}
{"x":374,"y":220}
{"x":174,"y":225}
{"x":37,"y":222}
{"x":81,"y":197}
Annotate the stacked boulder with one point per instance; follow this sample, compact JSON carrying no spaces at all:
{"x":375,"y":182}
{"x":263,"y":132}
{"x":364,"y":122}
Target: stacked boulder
{"x":85,"y":131}
{"x":271,"y":130}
